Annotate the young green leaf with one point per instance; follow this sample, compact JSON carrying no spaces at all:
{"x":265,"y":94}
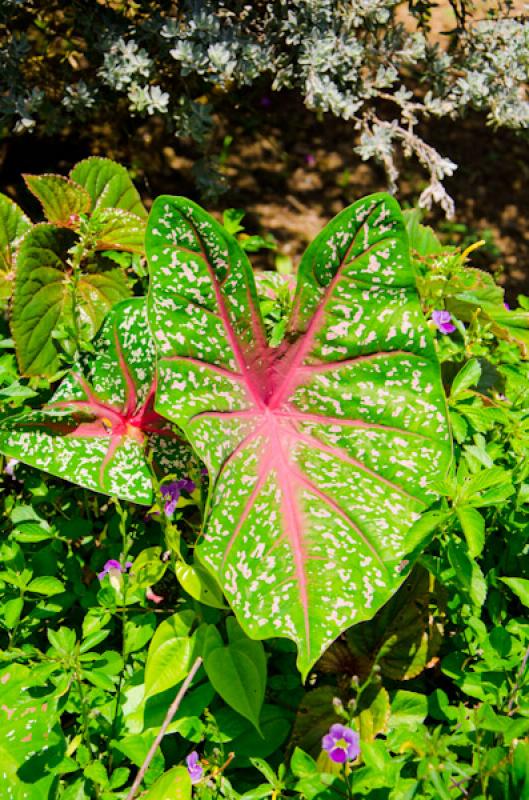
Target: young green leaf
{"x":60,"y":198}
{"x":173,"y":785}
{"x":520,"y":587}
{"x":108,"y":184}
{"x":237,"y":671}
{"x":473,"y":526}
{"x":170,"y":653}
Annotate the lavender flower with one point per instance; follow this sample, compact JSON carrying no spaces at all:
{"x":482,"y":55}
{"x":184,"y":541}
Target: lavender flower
{"x":195,"y":769}
{"x":341,"y":743}
{"x":9,"y":468}
{"x":114,"y":569}
{"x":442,"y":320}
{"x":171,"y":493}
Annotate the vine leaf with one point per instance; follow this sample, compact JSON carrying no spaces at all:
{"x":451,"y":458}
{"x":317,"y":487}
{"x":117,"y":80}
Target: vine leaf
{"x":321,"y":451}
{"x":13,"y":226}
{"x":98,"y":425}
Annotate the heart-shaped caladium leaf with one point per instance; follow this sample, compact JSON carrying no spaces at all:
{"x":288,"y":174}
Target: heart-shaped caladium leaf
{"x":321,"y":451}
{"x":100,"y":424}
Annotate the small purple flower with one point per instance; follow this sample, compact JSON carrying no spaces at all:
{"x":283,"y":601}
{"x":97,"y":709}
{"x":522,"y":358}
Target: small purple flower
{"x":341,"y":743}
{"x":195,"y":769}
{"x":507,"y":307}
{"x":310,"y":160}
{"x":9,"y":468}
{"x":443,"y":321}
{"x":112,"y":568}
{"x":171,"y":493}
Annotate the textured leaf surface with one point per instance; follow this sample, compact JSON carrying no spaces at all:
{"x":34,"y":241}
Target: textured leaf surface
{"x":59,"y":197}
{"x":42,"y":298}
{"x":321,"y":451}
{"x":96,"y":428}
{"x":13,"y":225}
{"x":97,"y":294}
{"x":119,"y":230}
{"x":108,"y":184}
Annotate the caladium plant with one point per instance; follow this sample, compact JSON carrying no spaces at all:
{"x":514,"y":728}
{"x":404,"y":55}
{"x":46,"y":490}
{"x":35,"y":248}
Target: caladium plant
{"x":322,"y":451}
{"x":100,"y":425}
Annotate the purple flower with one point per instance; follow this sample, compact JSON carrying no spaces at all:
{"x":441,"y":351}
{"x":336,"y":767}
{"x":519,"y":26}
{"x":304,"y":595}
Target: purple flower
{"x":195,"y":769}
{"x":442,"y":320}
{"x":341,"y":743}
{"x":9,"y":468}
{"x":310,"y":160}
{"x":507,"y":307}
{"x":112,"y":568}
{"x":171,"y":493}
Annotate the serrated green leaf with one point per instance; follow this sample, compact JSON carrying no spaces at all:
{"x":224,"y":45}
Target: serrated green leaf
{"x":520,"y":587}
{"x":97,"y":294}
{"x":473,"y":526}
{"x":14,"y":224}
{"x":60,"y":198}
{"x":42,"y":299}
{"x":108,"y":185}
{"x":118,"y":230}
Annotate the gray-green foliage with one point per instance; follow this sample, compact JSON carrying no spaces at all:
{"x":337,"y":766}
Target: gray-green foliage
{"x":342,"y":58}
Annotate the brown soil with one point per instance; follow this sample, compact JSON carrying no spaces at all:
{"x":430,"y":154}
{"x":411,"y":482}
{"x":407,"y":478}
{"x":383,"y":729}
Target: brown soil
{"x":292,"y":173}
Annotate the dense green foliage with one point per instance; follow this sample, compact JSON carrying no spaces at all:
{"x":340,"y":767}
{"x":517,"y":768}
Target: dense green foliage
{"x":94,"y":652}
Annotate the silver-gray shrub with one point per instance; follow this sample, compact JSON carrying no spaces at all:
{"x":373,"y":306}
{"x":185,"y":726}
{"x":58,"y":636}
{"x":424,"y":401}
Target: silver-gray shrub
{"x":373,"y":62}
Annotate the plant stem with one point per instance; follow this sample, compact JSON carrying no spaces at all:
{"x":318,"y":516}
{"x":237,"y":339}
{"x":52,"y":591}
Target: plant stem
{"x":173,"y":708}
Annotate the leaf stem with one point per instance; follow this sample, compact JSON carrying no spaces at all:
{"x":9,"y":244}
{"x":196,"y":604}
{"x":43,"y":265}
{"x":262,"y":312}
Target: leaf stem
{"x":173,"y":708}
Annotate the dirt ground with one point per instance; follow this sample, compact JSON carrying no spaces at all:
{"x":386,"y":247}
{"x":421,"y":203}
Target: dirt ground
{"x":292,"y":172}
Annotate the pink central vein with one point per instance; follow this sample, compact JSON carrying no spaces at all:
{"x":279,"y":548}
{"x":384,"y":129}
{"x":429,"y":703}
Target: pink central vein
{"x":244,"y":368}
{"x":342,"y":455}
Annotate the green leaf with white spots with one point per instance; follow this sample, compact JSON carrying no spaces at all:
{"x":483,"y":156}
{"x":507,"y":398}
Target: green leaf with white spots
{"x":31,"y":741}
{"x":60,"y":198}
{"x":321,"y":452}
{"x":108,"y":184}
{"x":13,"y":226}
{"x":100,"y":424}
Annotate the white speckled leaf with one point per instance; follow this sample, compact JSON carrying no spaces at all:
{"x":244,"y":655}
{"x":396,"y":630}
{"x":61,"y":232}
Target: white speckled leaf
{"x":98,"y":425}
{"x":31,"y":740}
{"x":321,"y":451}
